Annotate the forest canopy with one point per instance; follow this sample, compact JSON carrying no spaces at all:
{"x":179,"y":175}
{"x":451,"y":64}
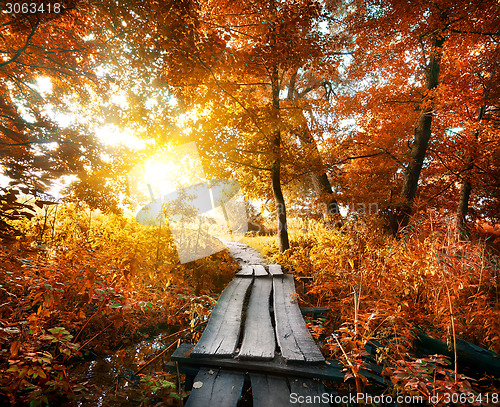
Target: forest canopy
{"x":301,"y":101}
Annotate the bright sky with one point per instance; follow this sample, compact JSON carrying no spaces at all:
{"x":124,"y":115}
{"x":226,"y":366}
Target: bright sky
{"x":110,"y":134}
{"x":168,"y":170}
{"x":113,"y":135}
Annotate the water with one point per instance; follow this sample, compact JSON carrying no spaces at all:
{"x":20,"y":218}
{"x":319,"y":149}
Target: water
{"x":113,"y":380}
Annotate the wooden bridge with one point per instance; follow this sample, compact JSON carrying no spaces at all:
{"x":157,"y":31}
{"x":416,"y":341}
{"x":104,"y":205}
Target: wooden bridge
{"x":256,"y":337}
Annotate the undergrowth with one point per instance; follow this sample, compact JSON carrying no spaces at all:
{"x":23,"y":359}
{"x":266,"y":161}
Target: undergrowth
{"x":89,"y":282}
{"x":385,"y":290}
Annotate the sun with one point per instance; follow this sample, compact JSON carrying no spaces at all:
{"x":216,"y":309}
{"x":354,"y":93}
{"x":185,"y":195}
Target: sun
{"x":159,"y":176}
{"x":169,"y":169}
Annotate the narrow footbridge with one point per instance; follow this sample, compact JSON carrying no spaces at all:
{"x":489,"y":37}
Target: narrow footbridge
{"x":256,"y":337}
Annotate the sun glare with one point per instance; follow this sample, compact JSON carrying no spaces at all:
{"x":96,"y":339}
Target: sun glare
{"x":158,"y":175}
{"x":43,"y":85}
{"x":112,"y":135}
{"x":168,"y":170}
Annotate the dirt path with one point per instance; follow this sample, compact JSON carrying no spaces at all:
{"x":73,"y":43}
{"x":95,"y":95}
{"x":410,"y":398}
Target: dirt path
{"x":244,"y":254}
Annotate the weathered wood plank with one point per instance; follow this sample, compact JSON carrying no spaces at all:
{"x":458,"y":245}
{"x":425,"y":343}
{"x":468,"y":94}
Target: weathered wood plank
{"x":259,"y":270}
{"x":474,"y":357}
{"x":222,"y":333}
{"x":270,"y":391}
{"x":294,"y":339}
{"x":316,"y":310}
{"x":258,"y":334}
{"x":313,"y":393}
{"x":216,"y":388}
{"x":275,"y":269}
{"x":245,"y":271}
{"x":331,"y":371}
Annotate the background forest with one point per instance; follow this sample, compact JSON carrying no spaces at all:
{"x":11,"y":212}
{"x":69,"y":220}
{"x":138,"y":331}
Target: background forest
{"x":365,"y":136}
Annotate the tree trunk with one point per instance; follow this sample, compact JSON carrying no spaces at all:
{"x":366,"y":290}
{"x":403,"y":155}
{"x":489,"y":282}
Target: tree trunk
{"x":321,"y":184}
{"x":465,"y":190}
{"x":276,"y":167}
{"x":280,"y":207}
{"x":421,"y":139}
{"x":323,"y":188}
{"x":463,"y":203}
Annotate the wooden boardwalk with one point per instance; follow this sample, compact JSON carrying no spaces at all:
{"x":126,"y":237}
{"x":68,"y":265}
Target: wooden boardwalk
{"x":256,"y":337}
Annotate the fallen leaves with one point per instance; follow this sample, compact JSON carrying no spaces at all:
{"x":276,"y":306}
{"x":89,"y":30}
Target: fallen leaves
{"x":197,"y":385}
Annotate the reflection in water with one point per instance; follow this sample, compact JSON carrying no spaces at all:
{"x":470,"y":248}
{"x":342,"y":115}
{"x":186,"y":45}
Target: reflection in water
{"x":111,"y":380}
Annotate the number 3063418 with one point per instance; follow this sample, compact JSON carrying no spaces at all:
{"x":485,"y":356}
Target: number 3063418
{"x":32,"y":8}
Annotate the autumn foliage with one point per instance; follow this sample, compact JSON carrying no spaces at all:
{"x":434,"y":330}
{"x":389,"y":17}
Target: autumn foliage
{"x":386,"y":291}
{"x":366,"y":133}
{"x":93,"y":285}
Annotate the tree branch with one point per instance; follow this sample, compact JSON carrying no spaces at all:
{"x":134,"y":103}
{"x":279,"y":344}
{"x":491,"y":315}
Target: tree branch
{"x":230,"y":95}
{"x":360,"y":156}
{"x":25,"y":46}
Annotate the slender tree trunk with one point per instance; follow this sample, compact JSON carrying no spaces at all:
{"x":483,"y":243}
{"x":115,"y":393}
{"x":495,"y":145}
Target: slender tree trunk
{"x":280,"y":207}
{"x":418,"y":150}
{"x":463,"y":205}
{"x":321,"y":184}
{"x":276,"y":148}
{"x":276,"y":167}
{"x":466,"y":188}
{"x":54,"y":222}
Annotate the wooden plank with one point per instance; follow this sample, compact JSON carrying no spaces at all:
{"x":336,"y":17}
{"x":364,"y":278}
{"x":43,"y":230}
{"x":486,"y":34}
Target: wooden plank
{"x":316,"y":310}
{"x":222,"y":333}
{"x":259,"y":270}
{"x":216,"y":388}
{"x":277,"y":366}
{"x":331,"y":371}
{"x":313,"y":392}
{"x":275,"y":269}
{"x":294,"y":339}
{"x":258,"y":335}
{"x":270,"y":391}
{"x":245,"y":271}
{"x":477,"y":359}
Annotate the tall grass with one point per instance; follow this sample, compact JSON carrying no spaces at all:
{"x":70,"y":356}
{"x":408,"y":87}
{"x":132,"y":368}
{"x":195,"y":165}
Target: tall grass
{"x":418,"y":280}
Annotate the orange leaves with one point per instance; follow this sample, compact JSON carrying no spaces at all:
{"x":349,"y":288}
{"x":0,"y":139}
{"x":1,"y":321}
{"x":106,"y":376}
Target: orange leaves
{"x":316,"y":330}
{"x":76,"y":290}
{"x":14,"y":349}
{"x":414,"y":58}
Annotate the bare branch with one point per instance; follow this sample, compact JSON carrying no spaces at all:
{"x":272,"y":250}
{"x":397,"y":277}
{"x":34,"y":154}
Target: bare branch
{"x":25,"y":46}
